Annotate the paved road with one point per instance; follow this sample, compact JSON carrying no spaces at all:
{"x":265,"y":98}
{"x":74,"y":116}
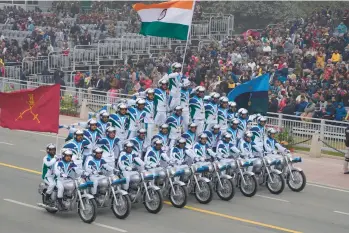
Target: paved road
{"x":316,"y":209}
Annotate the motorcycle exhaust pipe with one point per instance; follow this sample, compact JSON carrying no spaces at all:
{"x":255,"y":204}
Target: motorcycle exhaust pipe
{"x":46,"y":206}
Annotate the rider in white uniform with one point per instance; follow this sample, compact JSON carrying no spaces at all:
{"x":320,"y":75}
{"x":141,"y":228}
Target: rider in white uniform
{"x":272,"y":147}
{"x":259,"y":131}
{"x":48,"y":174}
{"x":247,"y":149}
{"x":211,"y":111}
{"x":149,"y":116}
{"x":161,"y":103}
{"x":197,"y":109}
{"x":175,"y":85}
{"x":185,"y":103}
{"x":223,"y":114}
{"x":226,"y":149}
{"x":137,"y":115}
{"x":121,"y":122}
{"x":175,"y":122}
{"x":97,"y":168}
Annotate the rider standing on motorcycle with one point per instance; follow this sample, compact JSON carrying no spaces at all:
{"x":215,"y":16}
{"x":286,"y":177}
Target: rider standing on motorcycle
{"x":247,"y":149}
{"x":149,"y":116}
{"x":226,"y":149}
{"x":232,"y":112}
{"x":92,"y":136}
{"x":190,"y":135}
{"x":139,"y":143}
{"x":259,"y":131}
{"x":48,"y":169}
{"x":128,"y":163}
{"x":163,"y":136}
{"x":102,"y":123}
{"x":136,"y":115}
{"x":63,"y":170}
{"x":120,"y":121}
{"x":234,"y":131}
{"x":202,"y":151}
{"x":244,"y":120}
{"x":185,"y":103}
{"x":223,"y":114}
{"x":77,"y":146}
{"x":197,"y":109}
{"x":175,"y":122}
{"x":175,"y":83}
{"x":161,"y":102}
{"x":214,"y":135}
{"x":111,"y":145}
{"x":96,"y":167}
{"x":211,"y":111}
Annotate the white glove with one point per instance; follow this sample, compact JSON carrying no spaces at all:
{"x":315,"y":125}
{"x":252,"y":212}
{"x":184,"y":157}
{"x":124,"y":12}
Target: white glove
{"x":128,"y":169}
{"x":95,"y":172}
{"x":64,"y":175}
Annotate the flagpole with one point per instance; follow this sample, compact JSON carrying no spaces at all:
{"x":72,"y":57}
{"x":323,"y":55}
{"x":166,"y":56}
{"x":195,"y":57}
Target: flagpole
{"x":188,"y":35}
{"x":56,"y":141}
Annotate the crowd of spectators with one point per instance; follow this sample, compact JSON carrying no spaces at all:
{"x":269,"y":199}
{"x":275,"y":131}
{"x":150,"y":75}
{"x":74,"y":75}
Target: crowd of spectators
{"x":307,"y":58}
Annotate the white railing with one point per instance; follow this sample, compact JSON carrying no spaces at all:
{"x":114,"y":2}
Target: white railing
{"x":331,"y":132}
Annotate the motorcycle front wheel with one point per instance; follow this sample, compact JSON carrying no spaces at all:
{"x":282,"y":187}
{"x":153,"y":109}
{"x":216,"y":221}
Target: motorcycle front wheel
{"x":90,"y":213}
{"x":278,"y":184}
{"x":122,"y":209}
{"x":249,"y":188}
{"x":154,"y":205}
{"x":205,"y":194}
{"x":228,"y":191}
{"x":178,"y":200}
{"x":299,"y":182}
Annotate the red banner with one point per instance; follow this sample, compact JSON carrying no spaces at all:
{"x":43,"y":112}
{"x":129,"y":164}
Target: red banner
{"x":31,"y":109}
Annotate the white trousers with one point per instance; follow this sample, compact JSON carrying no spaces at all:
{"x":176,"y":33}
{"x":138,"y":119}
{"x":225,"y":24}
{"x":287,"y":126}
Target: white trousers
{"x":160,"y":118}
{"x":127,"y":175}
{"x":50,"y":181}
{"x":186,"y":119}
{"x":95,"y":179}
{"x":60,"y":186}
{"x":200,"y":123}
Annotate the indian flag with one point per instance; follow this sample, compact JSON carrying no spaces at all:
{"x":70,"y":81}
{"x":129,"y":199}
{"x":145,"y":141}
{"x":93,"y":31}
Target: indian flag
{"x":168,"y":19}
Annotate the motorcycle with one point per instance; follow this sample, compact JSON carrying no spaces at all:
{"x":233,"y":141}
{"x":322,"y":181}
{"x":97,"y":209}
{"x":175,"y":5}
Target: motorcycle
{"x":245,"y":180}
{"x":174,"y":188}
{"x":272,"y":177}
{"x":295,"y":177}
{"x":109,"y":193}
{"x":201,"y":186}
{"x":143,"y":190}
{"x":223,"y":183}
{"x":75,"y":196}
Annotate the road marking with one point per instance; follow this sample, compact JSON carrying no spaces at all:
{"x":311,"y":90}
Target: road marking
{"x":39,"y":208}
{"x":187,"y":207}
{"x":237,"y":219}
{"x":43,"y":151}
{"x":329,"y":188}
{"x":108,"y":227}
{"x":42,"y":134}
{"x":6,"y":143}
{"x":20,"y":168}
{"x":340,"y":212}
{"x":23,"y":204}
{"x":272,"y":198}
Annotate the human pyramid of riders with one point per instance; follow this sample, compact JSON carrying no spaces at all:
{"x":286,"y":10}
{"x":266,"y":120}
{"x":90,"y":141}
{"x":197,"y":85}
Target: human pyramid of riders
{"x":203,"y":144}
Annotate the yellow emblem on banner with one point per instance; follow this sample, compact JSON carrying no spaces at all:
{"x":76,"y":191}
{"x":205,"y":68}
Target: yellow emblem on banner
{"x":31,"y":104}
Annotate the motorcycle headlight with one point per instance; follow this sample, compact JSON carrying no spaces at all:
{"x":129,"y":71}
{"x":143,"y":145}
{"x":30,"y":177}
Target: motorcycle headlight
{"x":81,"y":181}
{"x":172,"y":171}
{"x":114,"y":178}
{"x":268,"y":160}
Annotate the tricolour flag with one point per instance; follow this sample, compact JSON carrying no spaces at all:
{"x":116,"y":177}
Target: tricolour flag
{"x":31,"y":109}
{"x":252,"y":95}
{"x":168,"y":19}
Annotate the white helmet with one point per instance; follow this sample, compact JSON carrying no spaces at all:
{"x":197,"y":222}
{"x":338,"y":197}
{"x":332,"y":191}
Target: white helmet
{"x":122,"y":106}
{"x":67,"y":152}
{"x":227,"y":135}
{"x":234,"y":121}
{"x":163,"y":81}
{"x":232,"y":104}
{"x":200,"y":89}
{"x":178,"y":108}
{"x":186,"y":83}
{"x":207,"y":98}
{"x":271,"y":131}
{"x":203,"y":135}
{"x":243,"y":111}
{"x":128,"y":144}
{"x":140,"y":101}
{"x":78,"y":132}
{"x":176,"y":65}
{"x":92,"y":122}
{"x":150,"y":91}
{"x":98,"y":150}
{"x":50,"y":146}
{"x":215,"y":127}
{"x":110,"y":129}
{"x":164,"y":126}
{"x":105,"y":114}
{"x":158,"y":142}
{"x":224,"y":99}
{"x":248,"y":134}
{"x":192,"y":125}
{"x":262,"y":119}
{"x":181,"y":141}
{"x":141,"y":131}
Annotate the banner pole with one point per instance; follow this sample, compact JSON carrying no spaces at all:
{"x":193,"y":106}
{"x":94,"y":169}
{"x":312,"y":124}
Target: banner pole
{"x":188,"y":35}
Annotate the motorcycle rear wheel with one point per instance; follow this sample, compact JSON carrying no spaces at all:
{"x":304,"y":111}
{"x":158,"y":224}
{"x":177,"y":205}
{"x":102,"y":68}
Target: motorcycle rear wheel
{"x":290,"y":181}
{"x":209,"y":188}
{"x":276,"y":178}
{"x":147,"y":204}
{"x":184,"y":196}
{"x":227,"y":184}
{"x":251,"y":180}
{"x":126,"y":204}
{"x":93,"y":204}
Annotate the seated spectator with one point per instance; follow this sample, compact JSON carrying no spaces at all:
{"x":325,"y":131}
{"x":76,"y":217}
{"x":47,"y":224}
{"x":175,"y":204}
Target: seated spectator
{"x":341,"y":112}
{"x":329,"y":111}
{"x":308,"y":111}
{"x":300,"y":106}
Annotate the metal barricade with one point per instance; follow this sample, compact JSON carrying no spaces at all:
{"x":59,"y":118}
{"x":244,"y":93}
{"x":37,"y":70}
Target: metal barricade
{"x":85,"y":55}
{"x":109,"y":49}
{"x":12,"y":70}
{"x":34,"y":65}
{"x":133,"y":44}
{"x":219,"y":27}
{"x":60,"y":60}
{"x":200,"y":30}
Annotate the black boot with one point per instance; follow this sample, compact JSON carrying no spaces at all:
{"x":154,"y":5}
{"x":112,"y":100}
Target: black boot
{"x":61,"y":206}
